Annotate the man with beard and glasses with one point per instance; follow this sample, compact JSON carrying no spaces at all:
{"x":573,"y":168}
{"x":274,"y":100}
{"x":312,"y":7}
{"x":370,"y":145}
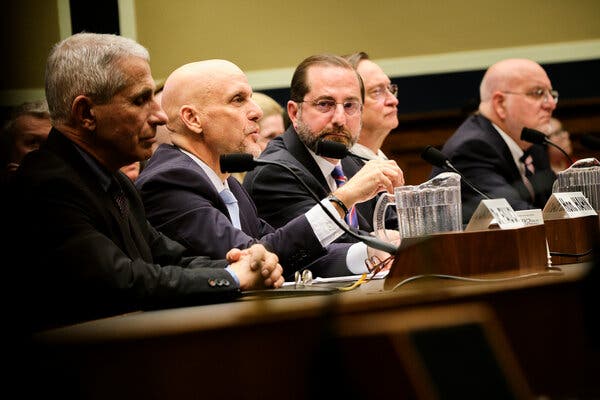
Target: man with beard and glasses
{"x":327,"y":97}
{"x":211,"y":112}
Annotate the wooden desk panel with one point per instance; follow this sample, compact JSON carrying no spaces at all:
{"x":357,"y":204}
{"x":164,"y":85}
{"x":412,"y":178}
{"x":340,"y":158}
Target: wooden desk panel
{"x":200,"y":351}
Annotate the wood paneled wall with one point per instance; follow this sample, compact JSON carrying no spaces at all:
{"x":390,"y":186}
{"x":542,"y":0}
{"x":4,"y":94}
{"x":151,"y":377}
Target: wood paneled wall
{"x":417,"y":131}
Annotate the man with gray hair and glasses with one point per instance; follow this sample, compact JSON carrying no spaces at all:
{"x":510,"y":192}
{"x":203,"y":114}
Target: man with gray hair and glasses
{"x":380,"y":110}
{"x":80,"y":238}
{"x":487,"y":147}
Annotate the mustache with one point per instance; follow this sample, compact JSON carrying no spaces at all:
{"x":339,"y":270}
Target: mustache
{"x":340,"y":131}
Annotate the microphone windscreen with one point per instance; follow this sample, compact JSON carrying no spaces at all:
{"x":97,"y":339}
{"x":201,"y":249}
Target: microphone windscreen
{"x":532,"y":136}
{"x":237,"y":162}
{"x":331,"y":149}
{"x":590,"y":142}
{"x":434,"y":157}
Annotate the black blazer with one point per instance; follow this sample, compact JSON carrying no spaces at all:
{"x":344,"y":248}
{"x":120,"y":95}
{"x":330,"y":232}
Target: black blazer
{"x":478,"y":151}
{"x":279,"y":197}
{"x":83,"y":262}
{"x":182,"y":202}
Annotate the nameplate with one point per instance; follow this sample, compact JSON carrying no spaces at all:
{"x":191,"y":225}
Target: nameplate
{"x":568,"y":205}
{"x":494,"y":213}
{"x":531,"y":217}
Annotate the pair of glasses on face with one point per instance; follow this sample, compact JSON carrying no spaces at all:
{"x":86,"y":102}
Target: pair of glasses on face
{"x":539,"y":94}
{"x":381,"y":92}
{"x":326,"y":106}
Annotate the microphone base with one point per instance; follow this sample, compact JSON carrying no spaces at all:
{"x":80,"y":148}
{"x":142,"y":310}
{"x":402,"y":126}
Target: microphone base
{"x":512,"y":252}
{"x":572,"y":236}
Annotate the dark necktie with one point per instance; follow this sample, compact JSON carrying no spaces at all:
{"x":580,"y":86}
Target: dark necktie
{"x":529,"y":167}
{"x":340,"y":180}
{"x":119,"y":198}
{"x":527,"y":160}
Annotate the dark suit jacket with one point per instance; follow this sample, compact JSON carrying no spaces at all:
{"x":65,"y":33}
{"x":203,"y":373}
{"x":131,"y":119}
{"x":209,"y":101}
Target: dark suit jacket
{"x":279,"y":197}
{"x":83,"y":261}
{"x":181,"y":201}
{"x":478,"y":151}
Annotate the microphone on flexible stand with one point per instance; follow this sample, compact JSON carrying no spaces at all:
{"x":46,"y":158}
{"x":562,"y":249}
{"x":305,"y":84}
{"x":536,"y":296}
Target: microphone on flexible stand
{"x":331,"y":149}
{"x":435,"y":157}
{"x":240,"y":162}
{"x":537,"y":137}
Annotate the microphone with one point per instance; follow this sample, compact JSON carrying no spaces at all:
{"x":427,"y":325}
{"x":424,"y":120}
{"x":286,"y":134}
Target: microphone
{"x":590,"y":142}
{"x":239,"y":162}
{"x":435,"y":157}
{"x":331,"y":149}
{"x":537,"y":137}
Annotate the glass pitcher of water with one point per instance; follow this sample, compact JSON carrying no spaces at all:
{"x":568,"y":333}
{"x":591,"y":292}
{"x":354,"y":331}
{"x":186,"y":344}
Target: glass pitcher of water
{"x":431,"y":207}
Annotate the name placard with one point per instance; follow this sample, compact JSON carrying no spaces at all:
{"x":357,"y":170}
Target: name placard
{"x":531,"y":217}
{"x":494,"y":213}
{"x":568,"y":205}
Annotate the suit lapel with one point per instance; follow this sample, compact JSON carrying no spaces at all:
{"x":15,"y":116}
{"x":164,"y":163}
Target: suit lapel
{"x":299,"y":151}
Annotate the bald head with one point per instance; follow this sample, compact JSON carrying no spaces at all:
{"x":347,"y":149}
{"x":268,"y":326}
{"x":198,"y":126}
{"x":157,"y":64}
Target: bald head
{"x":210,"y":111}
{"x":516,"y":93}
{"x":506,"y":74}
{"x":193,"y":85}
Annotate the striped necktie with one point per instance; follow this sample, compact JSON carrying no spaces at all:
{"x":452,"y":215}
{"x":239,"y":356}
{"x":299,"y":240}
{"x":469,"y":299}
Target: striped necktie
{"x":340,"y":180}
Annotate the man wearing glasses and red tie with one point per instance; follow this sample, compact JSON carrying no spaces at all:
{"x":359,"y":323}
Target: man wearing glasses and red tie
{"x":487,"y":147}
{"x":326,"y":101}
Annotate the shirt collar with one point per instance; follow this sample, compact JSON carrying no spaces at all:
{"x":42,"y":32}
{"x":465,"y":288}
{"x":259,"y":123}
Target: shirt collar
{"x":514,"y":148}
{"x":212,"y":175}
{"x":326,"y":168}
{"x":364,"y":151}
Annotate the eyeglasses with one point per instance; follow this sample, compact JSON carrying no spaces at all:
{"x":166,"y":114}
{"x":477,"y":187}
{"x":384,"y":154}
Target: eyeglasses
{"x":326,"y":106}
{"x":539,"y":94}
{"x":380,"y":92}
{"x":375,"y":265}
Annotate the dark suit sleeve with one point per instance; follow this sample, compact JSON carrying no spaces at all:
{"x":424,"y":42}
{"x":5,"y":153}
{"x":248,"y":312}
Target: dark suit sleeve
{"x":277,"y":194}
{"x":183,"y":204}
{"x":80,"y":269}
{"x":479,"y":162}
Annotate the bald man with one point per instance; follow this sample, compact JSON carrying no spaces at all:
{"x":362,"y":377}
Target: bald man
{"x":210,"y":113}
{"x":487,"y":148}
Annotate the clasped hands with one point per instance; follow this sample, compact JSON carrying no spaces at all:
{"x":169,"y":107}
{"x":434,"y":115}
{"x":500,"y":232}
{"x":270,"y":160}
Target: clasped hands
{"x":256,"y":267}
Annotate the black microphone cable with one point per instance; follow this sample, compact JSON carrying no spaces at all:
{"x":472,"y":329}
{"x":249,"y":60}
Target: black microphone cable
{"x":228,"y":164}
{"x":435,"y":157}
{"x":537,"y":137}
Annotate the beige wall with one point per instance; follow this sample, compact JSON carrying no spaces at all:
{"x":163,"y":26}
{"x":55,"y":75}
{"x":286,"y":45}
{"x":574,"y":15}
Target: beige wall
{"x":29,"y":29}
{"x":266,"y":35}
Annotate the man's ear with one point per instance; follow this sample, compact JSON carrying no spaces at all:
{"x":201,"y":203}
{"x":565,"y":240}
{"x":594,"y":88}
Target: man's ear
{"x":190,"y":118}
{"x":292,"y":111}
{"x":499,"y":105}
{"x":82,"y":110}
